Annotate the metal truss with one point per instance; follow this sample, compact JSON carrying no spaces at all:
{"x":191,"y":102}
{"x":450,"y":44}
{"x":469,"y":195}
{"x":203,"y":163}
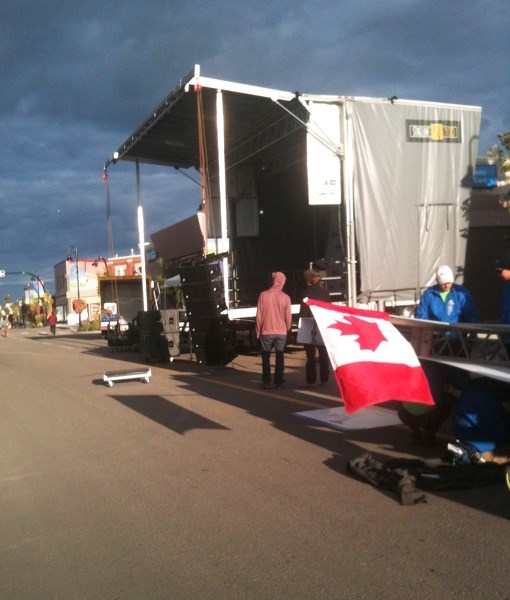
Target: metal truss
{"x":263,"y":139}
{"x":484,"y":344}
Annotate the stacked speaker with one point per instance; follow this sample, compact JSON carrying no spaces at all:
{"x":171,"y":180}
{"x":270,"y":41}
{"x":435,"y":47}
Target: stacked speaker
{"x":171,"y":330}
{"x":153,"y":344}
{"x":212,"y":334}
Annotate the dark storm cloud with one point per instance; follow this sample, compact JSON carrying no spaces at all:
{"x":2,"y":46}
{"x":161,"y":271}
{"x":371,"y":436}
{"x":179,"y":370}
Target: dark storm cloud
{"x":79,"y":77}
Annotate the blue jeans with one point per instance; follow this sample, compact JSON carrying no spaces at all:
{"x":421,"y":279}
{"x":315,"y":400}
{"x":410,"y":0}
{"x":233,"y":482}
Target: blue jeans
{"x":267,"y":342}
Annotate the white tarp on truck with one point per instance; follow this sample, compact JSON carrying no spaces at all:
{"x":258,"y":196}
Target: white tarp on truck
{"x":406,"y":180}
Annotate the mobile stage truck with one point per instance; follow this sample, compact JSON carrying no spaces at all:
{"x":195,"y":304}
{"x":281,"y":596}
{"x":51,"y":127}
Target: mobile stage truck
{"x":374,"y":191}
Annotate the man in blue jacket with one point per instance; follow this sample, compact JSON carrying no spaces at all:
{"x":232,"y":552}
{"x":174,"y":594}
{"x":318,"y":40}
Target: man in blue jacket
{"x":446,"y":301}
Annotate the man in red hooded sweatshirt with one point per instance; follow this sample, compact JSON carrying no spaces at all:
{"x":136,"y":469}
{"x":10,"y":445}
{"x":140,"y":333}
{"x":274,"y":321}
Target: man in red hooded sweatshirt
{"x":273,"y":322}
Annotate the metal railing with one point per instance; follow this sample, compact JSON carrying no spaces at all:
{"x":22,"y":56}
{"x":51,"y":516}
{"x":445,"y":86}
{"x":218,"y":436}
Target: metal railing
{"x":479,"y":343}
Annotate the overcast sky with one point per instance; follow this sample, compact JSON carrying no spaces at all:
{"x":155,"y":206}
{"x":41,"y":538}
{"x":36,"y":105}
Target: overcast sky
{"x":78,"y":77}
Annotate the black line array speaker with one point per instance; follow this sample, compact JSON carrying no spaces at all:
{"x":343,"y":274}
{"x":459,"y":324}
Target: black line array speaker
{"x":212,"y":334}
{"x":202,"y":286}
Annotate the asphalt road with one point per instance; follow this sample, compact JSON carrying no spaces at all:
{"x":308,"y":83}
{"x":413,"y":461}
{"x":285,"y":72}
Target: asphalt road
{"x":201,"y":485}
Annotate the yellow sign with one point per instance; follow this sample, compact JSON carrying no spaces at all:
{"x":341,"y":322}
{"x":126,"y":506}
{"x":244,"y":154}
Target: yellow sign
{"x":433,"y":131}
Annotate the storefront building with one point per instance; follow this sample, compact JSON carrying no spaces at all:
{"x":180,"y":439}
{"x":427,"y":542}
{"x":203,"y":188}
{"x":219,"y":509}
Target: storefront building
{"x":77,"y":284}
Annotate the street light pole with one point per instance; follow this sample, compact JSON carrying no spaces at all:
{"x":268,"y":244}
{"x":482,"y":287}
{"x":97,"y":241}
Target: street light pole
{"x":41,"y":283}
{"x":96,"y":262}
{"x":69,"y":258}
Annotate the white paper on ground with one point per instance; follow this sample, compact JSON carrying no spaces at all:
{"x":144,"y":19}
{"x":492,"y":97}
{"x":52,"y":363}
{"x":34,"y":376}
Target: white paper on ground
{"x":367,"y":418}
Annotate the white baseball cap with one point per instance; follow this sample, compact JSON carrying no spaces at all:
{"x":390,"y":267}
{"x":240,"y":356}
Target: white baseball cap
{"x":444,"y":275}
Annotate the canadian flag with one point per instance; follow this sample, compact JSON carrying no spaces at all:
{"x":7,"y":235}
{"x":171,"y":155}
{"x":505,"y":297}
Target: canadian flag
{"x":371,"y":359}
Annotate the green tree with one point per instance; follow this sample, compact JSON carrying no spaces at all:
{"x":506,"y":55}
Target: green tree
{"x":501,"y":153}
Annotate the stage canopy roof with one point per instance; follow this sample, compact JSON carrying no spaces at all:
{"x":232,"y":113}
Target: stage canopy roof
{"x":258,"y":122}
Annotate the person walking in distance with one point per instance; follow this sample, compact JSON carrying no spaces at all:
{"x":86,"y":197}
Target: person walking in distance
{"x":4,"y":324}
{"x":52,"y":320}
{"x":272,"y":324}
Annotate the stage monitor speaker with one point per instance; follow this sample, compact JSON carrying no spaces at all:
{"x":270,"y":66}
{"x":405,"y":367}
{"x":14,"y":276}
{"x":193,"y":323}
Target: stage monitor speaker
{"x":153,"y":343}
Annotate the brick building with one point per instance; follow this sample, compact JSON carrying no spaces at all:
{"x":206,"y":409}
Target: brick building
{"x":77,"y":284}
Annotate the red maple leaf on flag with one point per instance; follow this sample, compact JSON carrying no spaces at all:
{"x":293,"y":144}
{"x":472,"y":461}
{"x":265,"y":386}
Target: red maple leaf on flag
{"x":393,"y":372}
{"x":369,"y":334}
